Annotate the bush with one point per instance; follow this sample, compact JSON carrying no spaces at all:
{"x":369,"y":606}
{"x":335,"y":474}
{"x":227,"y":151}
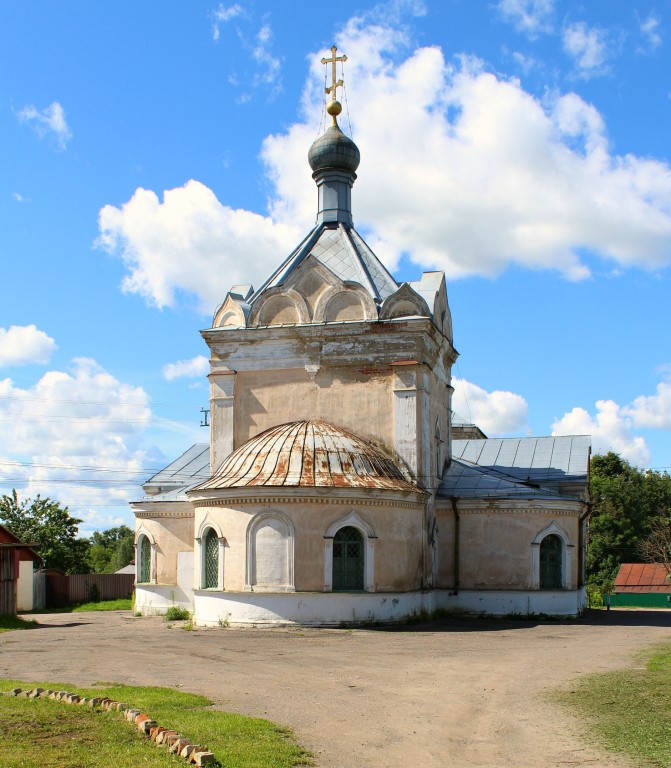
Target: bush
{"x":176,"y":613}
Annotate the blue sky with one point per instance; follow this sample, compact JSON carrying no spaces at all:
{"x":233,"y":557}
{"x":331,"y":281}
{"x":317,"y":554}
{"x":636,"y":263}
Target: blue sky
{"x":154,"y":154}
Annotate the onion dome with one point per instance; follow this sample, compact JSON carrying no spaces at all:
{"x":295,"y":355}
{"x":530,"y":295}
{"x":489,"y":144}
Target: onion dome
{"x":334,"y":151}
{"x":308,"y":454}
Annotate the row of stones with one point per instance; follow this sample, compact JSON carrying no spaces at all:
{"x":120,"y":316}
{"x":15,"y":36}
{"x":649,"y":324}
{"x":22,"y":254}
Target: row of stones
{"x":176,"y":744}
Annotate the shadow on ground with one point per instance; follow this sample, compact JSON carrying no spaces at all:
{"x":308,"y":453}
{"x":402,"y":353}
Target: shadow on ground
{"x":614,"y":617}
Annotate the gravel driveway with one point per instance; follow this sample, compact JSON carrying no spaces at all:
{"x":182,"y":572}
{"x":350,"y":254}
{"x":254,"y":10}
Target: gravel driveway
{"x":451,"y":693}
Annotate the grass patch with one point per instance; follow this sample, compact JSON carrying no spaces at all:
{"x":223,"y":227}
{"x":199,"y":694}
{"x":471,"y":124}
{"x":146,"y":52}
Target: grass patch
{"x":629,"y":711}
{"x":8,"y":623}
{"x":122,"y":604}
{"x":43,"y":733}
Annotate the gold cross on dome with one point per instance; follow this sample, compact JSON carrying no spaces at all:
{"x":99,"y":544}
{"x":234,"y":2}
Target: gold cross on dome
{"x":335,"y":83}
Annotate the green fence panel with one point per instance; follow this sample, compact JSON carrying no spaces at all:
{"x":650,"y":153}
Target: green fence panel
{"x":640,"y":600}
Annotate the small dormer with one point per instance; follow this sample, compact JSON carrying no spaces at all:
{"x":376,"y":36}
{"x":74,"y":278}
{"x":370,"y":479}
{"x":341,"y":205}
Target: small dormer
{"x":234,"y":311}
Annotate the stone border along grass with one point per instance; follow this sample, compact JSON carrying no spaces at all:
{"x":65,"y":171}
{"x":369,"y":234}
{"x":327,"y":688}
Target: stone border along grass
{"x":176,"y":744}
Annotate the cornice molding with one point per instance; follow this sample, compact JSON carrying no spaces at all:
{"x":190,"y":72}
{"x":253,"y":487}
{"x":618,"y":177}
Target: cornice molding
{"x":480,"y":507}
{"x":278,"y":500}
{"x":143,"y":515}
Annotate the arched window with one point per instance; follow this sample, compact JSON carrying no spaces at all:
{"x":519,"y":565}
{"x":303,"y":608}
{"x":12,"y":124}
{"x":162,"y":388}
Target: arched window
{"x":551,"y":562}
{"x":211,"y":560}
{"x":144,"y":556}
{"x":348,"y":560}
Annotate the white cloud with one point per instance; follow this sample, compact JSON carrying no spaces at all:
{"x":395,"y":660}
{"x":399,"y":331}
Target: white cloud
{"x":653,"y":411}
{"x":257,"y":43}
{"x":190,"y":369}
{"x":190,"y":242}
{"x":530,"y":17}
{"x":24,"y":344}
{"x":49,"y":121}
{"x":268,"y":64}
{"x":75,"y":436}
{"x":610,"y":428}
{"x":222,"y":15}
{"x":650,"y":32}
{"x":496,"y":413}
{"x":471,"y":176}
{"x":19,"y":197}
{"x":587,"y":46}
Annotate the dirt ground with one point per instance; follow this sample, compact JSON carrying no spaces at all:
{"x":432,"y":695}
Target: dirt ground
{"x":452,"y":693}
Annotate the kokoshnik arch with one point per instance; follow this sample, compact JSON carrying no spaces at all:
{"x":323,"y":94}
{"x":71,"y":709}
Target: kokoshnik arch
{"x":338,"y":485}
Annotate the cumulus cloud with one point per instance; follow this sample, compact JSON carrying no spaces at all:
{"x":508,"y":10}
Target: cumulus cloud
{"x":530,"y":17}
{"x":76,"y":436}
{"x":588,"y":47}
{"x":611,"y":430}
{"x":24,"y":344}
{"x":223,"y":14}
{"x":190,"y":242}
{"x":190,"y":369}
{"x":653,"y":411}
{"x":473,"y":175}
{"x":50,"y":121}
{"x":496,"y":413}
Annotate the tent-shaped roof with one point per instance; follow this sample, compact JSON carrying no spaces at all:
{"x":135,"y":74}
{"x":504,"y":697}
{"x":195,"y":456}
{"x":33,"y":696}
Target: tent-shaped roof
{"x":342,"y":251}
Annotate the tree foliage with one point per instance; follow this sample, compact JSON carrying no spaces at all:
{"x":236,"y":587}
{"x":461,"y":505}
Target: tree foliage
{"x":627,"y":503}
{"x":50,"y":527}
{"x":111,"y":549}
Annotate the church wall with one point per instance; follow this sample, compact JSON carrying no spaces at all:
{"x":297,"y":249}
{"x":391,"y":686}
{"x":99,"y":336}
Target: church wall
{"x":496,"y":550}
{"x":397,"y":548}
{"x":352,"y":398}
{"x":445,"y":551}
{"x":172,"y":536}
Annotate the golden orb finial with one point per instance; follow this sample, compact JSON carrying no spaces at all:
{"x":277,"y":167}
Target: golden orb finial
{"x":334,"y":108}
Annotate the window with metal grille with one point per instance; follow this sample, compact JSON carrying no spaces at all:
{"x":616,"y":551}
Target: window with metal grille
{"x":348,"y":560}
{"x":145,"y":560}
{"x":211,"y":556}
{"x":551,"y":562}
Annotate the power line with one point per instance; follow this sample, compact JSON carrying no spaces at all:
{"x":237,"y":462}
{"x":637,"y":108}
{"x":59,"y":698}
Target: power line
{"x":95,"y":402}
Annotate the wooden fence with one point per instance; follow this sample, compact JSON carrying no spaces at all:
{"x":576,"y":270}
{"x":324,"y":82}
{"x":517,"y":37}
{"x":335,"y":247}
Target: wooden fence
{"x":62,"y":590}
{"x":7,"y":581}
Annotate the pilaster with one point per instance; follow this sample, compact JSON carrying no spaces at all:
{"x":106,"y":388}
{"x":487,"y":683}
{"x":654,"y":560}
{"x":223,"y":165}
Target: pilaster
{"x":222,"y":400}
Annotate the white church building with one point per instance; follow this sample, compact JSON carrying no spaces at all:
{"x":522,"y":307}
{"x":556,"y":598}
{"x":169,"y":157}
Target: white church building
{"x":337,"y":487}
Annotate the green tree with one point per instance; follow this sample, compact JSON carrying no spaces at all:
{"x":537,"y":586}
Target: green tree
{"x":111,"y":549}
{"x":627,"y":502}
{"x":50,"y":527}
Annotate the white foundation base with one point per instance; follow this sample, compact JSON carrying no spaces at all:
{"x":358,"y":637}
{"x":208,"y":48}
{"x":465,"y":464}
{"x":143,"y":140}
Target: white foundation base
{"x":213,"y":608}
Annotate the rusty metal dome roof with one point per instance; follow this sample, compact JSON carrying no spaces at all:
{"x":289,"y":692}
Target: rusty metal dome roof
{"x":307,"y":454}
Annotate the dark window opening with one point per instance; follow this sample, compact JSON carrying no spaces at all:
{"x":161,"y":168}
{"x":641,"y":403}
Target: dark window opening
{"x":348,"y":554}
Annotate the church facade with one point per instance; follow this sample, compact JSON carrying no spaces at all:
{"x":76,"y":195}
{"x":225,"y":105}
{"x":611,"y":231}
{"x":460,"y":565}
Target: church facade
{"x":337,"y":485}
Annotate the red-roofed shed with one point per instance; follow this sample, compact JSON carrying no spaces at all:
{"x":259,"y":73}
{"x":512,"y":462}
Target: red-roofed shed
{"x":646,"y":585}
